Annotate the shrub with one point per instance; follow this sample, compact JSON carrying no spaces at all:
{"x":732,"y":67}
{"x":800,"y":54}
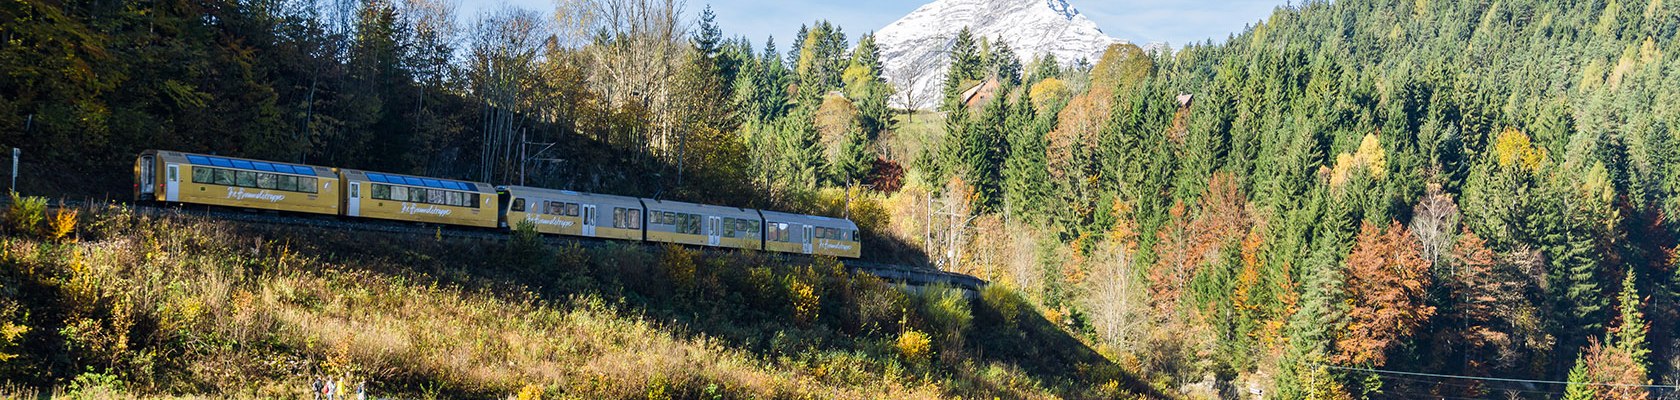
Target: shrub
{"x":804,"y":299}
{"x":526,"y":250}
{"x":1003,"y":301}
{"x":26,"y":213}
{"x":530,"y":392}
{"x":914,"y":346}
{"x":62,"y":223}
{"x":679,"y":266}
{"x":879,"y":304}
{"x":947,"y":313}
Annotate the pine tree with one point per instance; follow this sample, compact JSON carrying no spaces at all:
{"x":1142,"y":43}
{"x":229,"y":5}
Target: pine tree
{"x":801,"y":150}
{"x":866,"y":87}
{"x":1025,"y":177}
{"x":772,"y":86}
{"x":1578,"y":388}
{"x":1006,"y":66}
{"x":965,"y":68}
{"x":855,"y":159}
{"x":984,"y":149}
{"x":708,"y":36}
{"x":1042,"y":68}
{"x":1629,"y":335}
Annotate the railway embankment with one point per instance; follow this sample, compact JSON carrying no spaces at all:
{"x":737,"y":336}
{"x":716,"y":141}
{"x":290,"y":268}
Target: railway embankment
{"x":103,"y":300}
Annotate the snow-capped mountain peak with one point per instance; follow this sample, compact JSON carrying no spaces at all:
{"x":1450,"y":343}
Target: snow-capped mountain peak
{"x":915,"y":48}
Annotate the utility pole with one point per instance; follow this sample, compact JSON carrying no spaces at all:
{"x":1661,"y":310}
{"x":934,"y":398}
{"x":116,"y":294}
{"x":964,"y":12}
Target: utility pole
{"x":524,"y":138}
{"x":16,"y":153}
{"x":524,"y":142}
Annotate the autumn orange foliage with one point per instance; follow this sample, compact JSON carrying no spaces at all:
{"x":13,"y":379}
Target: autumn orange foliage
{"x":1387,"y":283}
{"x":1608,"y":364}
{"x":1184,"y":244}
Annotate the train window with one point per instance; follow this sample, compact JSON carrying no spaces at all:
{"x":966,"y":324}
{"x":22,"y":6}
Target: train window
{"x":308,"y":185}
{"x":288,"y":183}
{"x":224,"y":177}
{"x":381,"y":192}
{"x":729,"y":227}
{"x":518,"y":205}
{"x":399,"y":194}
{"x":416,"y":195}
{"x":246,"y":178}
{"x":201,"y":175}
{"x":267,"y":181}
{"x":571,"y":209}
{"x":435,"y":196}
{"x":635,"y":218}
{"x":472,"y":200}
{"x":618,"y":218}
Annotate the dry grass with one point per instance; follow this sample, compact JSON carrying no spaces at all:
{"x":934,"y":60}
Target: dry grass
{"x":177,"y":306}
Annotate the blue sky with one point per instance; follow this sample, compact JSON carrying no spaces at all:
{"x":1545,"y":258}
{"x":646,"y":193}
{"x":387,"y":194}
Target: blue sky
{"x":1173,"y":21}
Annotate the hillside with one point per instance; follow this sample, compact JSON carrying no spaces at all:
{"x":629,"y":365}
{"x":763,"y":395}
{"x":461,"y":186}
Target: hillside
{"x":170,"y":305}
{"x":1352,"y":191}
{"x":1324,"y":206}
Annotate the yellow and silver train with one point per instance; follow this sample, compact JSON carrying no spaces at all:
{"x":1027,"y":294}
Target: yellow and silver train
{"x":176,"y":177}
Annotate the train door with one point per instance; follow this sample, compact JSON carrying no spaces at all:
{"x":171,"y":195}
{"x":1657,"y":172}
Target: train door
{"x":148,"y":178}
{"x":808,"y":239}
{"x":589,"y":220}
{"x":715,"y":225}
{"x":355,"y":200}
{"x":172,"y":187}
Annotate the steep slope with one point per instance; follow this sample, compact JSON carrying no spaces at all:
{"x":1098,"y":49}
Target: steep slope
{"x":914,"y":47}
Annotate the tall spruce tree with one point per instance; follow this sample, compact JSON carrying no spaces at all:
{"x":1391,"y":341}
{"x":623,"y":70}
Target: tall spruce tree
{"x":965,"y":68}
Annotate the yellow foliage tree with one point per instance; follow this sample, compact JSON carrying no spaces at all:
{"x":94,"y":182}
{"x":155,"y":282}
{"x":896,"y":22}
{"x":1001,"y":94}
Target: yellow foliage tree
{"x":1370,"y":157}
{"x":1514,"y":149}
{"x":1048,"y":92}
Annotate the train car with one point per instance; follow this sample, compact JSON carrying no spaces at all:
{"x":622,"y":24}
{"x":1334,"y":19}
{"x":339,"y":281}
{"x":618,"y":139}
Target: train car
{"x":176,"y":177}
{"x":810,"y":234}
{"x":703,"y":225}
{"x":418,"y":199}
{"x":564,"y":212}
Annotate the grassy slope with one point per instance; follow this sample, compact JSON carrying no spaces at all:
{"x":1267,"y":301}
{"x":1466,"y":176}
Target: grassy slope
{"x":180,"y":306}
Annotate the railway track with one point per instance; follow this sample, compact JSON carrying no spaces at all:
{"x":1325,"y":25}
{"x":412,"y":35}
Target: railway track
{"x":915,"y":277}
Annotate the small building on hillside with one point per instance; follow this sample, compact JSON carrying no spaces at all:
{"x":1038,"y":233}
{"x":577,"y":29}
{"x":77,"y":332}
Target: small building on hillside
{"x":977,"y":96}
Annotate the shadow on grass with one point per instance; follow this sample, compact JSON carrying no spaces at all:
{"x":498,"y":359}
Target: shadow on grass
{"x":721,"y":303}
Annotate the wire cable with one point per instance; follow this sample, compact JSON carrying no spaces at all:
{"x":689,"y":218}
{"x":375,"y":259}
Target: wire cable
{"x":1483,"y":378}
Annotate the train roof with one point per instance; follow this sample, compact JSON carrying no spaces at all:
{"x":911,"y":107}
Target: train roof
{"x":567,"y":194}
{"x":726,"y":211}
{"x":246,"y":164}
{"x":416,"y":181}
{"x":813,"y":220}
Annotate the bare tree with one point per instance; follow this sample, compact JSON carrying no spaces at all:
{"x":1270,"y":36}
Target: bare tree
{"x":635,"y":49}
{"x":504,"y":54}
{"x":1434,"y":222}
{"x":1114,"y":297}
{"x":910,"y":94}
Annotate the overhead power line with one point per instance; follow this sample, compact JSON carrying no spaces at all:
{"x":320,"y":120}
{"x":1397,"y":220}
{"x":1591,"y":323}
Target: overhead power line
{"x":1483,"y":378}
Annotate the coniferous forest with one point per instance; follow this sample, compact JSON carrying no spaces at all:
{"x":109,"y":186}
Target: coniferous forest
{"x":1343,"y":191}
